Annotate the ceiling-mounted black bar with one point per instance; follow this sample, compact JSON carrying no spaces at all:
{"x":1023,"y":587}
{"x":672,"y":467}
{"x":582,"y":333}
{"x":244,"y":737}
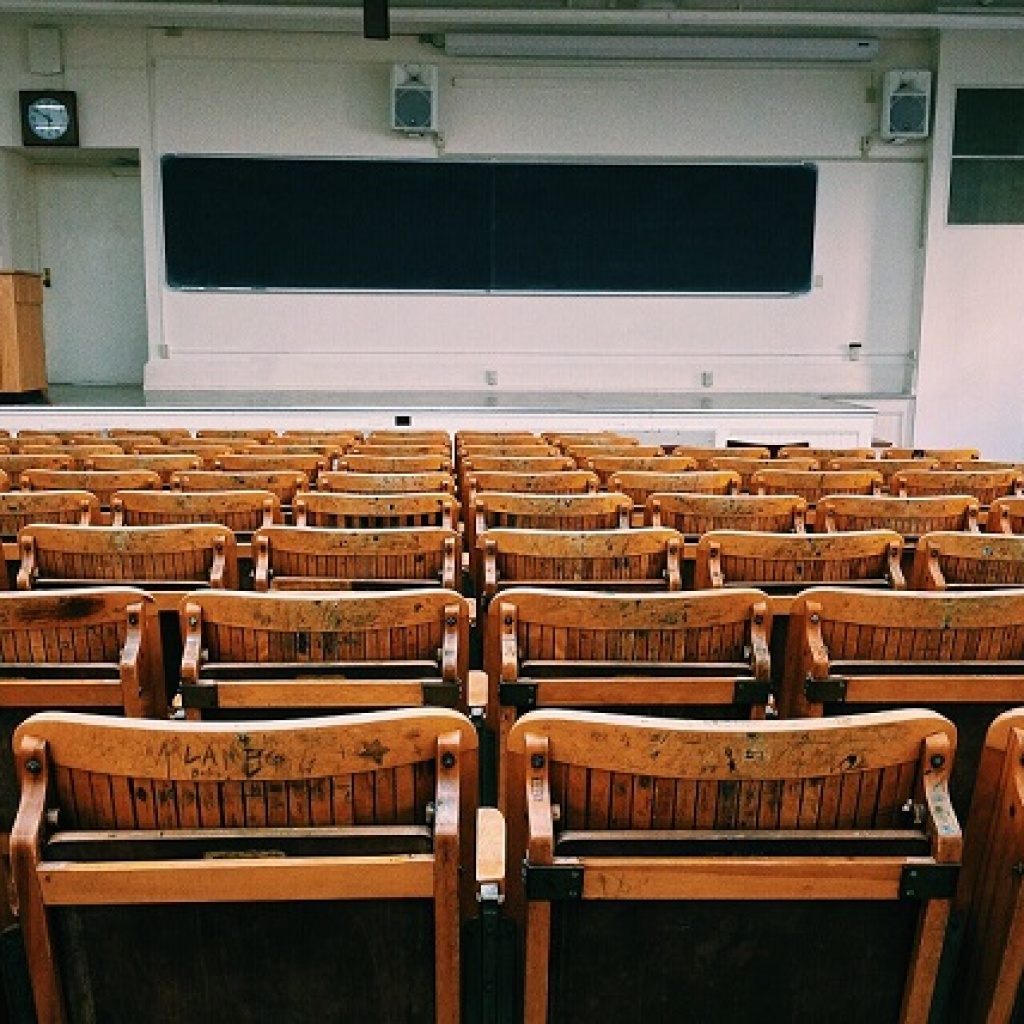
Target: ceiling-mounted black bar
{"x":376,"y":20}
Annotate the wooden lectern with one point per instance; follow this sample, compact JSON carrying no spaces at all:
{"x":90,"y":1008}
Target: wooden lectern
{"x":22,"y":349}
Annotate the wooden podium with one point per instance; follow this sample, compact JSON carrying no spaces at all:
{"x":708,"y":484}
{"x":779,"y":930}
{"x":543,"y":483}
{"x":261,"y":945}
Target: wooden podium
{"x":22,"y":349}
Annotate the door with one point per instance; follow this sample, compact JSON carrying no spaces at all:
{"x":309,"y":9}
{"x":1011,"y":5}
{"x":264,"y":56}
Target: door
{"x":90,"y":239}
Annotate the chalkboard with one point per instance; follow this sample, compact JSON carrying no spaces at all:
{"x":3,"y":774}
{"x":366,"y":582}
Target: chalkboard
{"x":498,"y":226}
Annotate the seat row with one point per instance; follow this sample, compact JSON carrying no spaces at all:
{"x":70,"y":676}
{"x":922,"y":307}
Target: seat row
{"x":338,"y":869}
{"x":649,"y":558}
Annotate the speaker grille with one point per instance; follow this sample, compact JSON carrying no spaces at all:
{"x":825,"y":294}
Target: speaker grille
{"x":908,"y":113}
{"x":413,"y":109}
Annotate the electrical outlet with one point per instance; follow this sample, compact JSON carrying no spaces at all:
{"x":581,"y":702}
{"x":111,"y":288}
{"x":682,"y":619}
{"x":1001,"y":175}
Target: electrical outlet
{"x":490,"y":377}
{"x":707,"y":378}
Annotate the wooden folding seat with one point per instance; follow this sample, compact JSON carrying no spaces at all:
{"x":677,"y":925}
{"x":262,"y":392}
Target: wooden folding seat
{"x":582,"y":452}
{"x":156,"y":558}
{"x":330,"y":452}
{"x":208,"y":452}
{"x":101,"y":482}
{"x":57,"y":434}
{"x":396,"y":464}
{"x":703,"y":454}
{"x":304,"y":558}
{"x":565,"y":481}
{"x":850,"y":651}
{"x":786,"y":563}
{"x":310,"y":870}
{"x":20,"y":508}
{"x":375,"y":511}
{"x":33,"y":437}
{"x":562,"y":439}
{"x":303,"y":433}
{"x":385,"y":483}
{"x":514,"y":463}
{"x":248,"y":434}
{"x":991,"y":963}
{"x":310,"y":464}
{"x":747,"y":467}
{"x":492,"y":509}
{"x":164,"y":465}
{"x":249,"y":653}
{"x":79,"y":455}
{"x":442,"y":448}
{"x":284,"y":484}
{"x":643,"y":559}
{"x":607,"y":466}
{"x":15,"y":465}
{"x":497,"y":437}
{"x":985,"y":485}
{"x":824,"y":456}
{"x":947,"y":560}
{"x":689,"y":655}
{"x":946,"y":456}
{"x":241,"y":511}
{"x":97,"y":651}
{"x":534,"y":449}
{"x":887,"y":467}
{"x":813,"y":485}
{"x":641,"y":484}
{"x":129,"y":442}
{"x":909,"y":517}
{"x":164,"y":433}
{"x":402,"y":436}
{"x":1006,"y":515}
{"x":730,"y":872}
{"x":696,"y":514}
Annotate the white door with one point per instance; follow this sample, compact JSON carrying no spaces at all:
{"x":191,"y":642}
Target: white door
{"x":90,"y":239}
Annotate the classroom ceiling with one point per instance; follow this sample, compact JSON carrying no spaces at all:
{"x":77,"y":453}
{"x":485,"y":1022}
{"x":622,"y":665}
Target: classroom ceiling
{"x":650,"y":17}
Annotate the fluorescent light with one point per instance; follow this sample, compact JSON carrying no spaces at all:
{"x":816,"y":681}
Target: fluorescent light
{"x":601,"y":47}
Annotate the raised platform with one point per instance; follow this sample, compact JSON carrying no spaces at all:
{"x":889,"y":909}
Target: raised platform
{"x":690,"y":418}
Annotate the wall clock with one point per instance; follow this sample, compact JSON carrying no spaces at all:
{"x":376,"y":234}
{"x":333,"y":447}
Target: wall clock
{"x":49,"y":117}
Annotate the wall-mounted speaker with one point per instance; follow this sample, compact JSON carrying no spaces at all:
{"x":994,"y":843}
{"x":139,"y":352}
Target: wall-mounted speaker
{"x":906,"y":105}
{"x":414,"y":98}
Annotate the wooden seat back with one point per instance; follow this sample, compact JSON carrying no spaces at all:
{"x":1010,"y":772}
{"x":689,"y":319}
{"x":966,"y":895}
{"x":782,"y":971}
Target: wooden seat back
{"x":696,"y":514}
{"x":240,"y":511}
{"x":991,"y":963}
{"x":263,"y":434}
{"x":1006,"y":515}
{"x":747,"y":466}
{"x":640,"y":559}
{"x":946,"y":456}
{"x":825,"y":455}
{"x":850,"y":651}
{"x":385,"y":483}
{"x":403,"y":436}
{"x":985,"y":485}
{"x":606,"y":466}
{"x":495,"y":509}
{"x":695,"y":854}
{"x":165,"y":465}
{"x":326,"y":824}
{"x":640,"y":485}
{"x":945,"y":560}
{"x":566,"y":481}
{"x":396,"y":463}
{"x":310,"y":464}
{"x":164,"y":434}
{"x":320,"y":558}
{"x":909,"y":517}
{"x":813,"y":485}
{"x":79,"y":454}
{"x":284,"y":484}
{"x":375,"y":511}
{"x":245,"y":652}
{"x":15,"y":465}
{"x":786,"y":563}
{"x":887,"y":467}
{"x":391,"y":449}
{"x":582,"y":453}
{"x":157,"y":557}
{"x":694,"y":655}
{"x":19,"y":508}
{"x":101,"y":482}
{"x":207,"y":452}
{"x":704,"y":454}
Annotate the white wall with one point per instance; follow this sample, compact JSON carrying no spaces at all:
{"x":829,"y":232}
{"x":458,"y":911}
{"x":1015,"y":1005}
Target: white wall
{"x":250,"y":93}
{"x":972,"y":344}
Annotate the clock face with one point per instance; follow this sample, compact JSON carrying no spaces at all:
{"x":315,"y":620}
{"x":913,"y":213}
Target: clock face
{"x":49,"y":118}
